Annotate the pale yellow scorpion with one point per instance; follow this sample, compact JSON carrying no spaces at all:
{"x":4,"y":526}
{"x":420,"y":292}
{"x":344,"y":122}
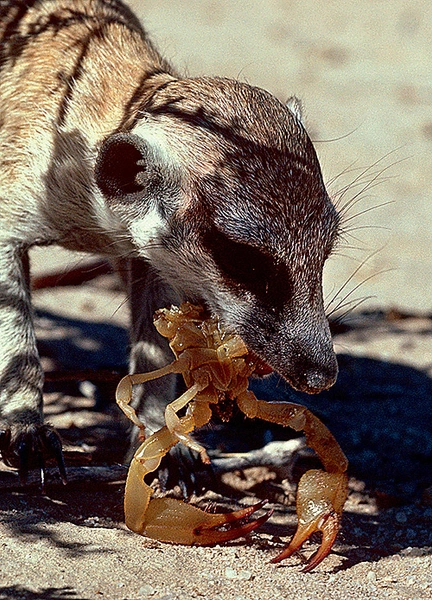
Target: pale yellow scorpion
{"x":216,"y":366}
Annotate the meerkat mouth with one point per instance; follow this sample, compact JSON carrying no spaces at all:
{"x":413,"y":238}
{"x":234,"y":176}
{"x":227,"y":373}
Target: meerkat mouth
{"x":262,"y":369}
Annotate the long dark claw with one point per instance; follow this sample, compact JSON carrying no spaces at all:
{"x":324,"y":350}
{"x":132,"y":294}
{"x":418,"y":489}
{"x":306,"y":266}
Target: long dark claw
{"x":53,"y":446}
{"x":26,"y":451}
{"x":5,"y":438}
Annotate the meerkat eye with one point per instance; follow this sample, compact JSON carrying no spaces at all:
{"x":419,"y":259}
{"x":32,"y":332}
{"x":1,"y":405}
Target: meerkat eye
{"x":248,"y":268}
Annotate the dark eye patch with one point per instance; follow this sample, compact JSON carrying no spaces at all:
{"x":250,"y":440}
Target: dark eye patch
{"x":248,"y":268}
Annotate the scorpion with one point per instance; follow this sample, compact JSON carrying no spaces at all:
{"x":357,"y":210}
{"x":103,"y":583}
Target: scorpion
{"x":216,"y":366}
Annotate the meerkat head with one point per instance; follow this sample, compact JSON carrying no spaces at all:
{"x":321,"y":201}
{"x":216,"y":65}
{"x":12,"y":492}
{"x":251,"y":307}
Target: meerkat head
{"x":221,"y":190}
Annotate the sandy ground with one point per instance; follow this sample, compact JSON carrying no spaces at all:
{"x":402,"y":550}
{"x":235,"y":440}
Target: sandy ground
{"x":71,"y":541}
{"x":360,"y":68}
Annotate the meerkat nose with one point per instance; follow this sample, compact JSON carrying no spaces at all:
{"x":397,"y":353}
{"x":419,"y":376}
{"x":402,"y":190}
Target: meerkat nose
{"x":319,"y":379}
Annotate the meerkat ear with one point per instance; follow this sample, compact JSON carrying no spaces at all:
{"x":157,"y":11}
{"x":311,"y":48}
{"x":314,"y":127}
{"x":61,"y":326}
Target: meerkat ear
{"x":122,"y":167}
{"x":294,"y":104}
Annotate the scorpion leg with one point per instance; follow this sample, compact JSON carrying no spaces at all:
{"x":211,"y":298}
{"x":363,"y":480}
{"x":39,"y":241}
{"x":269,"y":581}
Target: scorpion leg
{"x":175,"y":425}
{"x":167,"y":519}
{"x":320,"y":495}
{"x":124,"y":389}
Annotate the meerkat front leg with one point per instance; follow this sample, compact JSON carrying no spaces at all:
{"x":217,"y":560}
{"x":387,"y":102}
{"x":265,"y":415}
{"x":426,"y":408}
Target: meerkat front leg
{"x":25,"y":439}
{"x":149,"y":350}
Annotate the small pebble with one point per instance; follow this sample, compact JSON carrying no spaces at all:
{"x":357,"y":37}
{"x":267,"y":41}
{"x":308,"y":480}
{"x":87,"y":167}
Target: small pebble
{"x":146,"y":590}
{"x":371,"y":577}
{"x":233,"y":574}
{"x":230,"y":573}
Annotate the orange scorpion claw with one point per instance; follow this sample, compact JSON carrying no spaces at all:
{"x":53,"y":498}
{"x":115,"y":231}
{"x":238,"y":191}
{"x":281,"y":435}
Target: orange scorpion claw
{"x":320,"y":501}
{"x":169,"y":520}
{"x":330,"y":525}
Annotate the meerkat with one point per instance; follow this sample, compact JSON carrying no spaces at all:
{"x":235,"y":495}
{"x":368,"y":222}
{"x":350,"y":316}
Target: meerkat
{"x":205,"y":189}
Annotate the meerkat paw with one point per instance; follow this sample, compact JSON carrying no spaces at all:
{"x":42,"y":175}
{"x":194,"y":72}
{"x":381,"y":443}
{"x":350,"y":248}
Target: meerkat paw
{"x":27,"y":446}
{"x":184,"y":467}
